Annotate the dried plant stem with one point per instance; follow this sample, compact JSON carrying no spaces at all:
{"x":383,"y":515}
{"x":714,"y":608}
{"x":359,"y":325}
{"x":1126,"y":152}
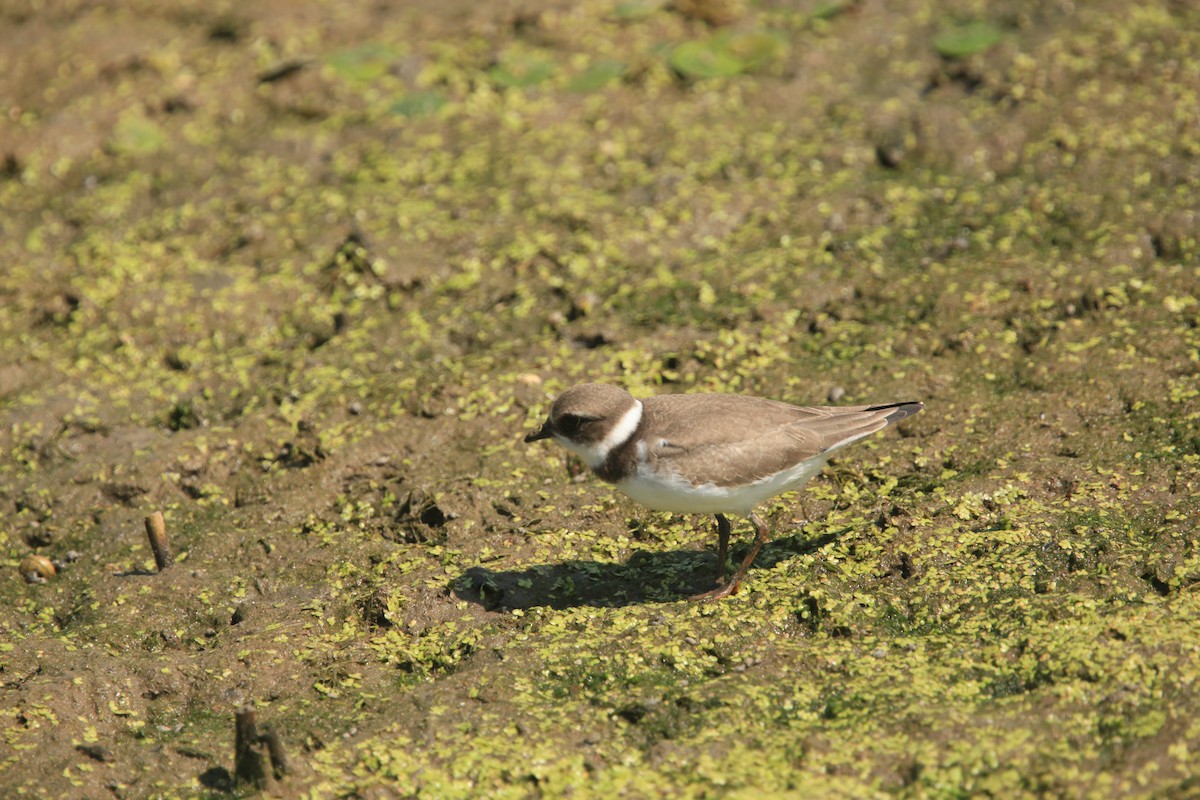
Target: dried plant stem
{"x":156,"y":530}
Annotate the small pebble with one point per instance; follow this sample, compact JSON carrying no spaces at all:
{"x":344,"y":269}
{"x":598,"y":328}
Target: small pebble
{"x":70,"y":558}
{"x":836,"y":394}
{"x":36,"y":569}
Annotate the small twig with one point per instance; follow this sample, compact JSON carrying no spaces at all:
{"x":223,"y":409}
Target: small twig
{"x":252,"y":749}
{"x":156,"y":530}
{"x":249,"y":765}
{"x":279,"y":762}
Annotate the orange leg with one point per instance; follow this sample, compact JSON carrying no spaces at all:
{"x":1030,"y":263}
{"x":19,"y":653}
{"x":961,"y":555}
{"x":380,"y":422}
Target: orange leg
{"x":761,"y":537}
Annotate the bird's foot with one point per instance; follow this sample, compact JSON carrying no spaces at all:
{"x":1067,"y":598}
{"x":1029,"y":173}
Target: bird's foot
{"x":723,"y":590}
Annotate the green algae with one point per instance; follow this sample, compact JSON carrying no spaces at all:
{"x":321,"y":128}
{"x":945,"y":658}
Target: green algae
{"x":966,"y":40}
{"x":309,"y":313}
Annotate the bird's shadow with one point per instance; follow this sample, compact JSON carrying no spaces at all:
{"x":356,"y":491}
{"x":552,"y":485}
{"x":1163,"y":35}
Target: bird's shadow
{"x":646,"y":577}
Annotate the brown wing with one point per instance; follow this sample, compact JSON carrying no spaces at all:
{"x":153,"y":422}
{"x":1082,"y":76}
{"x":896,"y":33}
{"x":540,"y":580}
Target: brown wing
{"x":731,"y":439}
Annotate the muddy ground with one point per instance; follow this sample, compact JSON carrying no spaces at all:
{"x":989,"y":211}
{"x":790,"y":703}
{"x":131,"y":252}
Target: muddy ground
{"x":301,"y":275}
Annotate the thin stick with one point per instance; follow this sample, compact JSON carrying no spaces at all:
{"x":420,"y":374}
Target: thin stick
{"x":279,"y":762}
{"x":156,"y":530}
{"x":250,"y":766}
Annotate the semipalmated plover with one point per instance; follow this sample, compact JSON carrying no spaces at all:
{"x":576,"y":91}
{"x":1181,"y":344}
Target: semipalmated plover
{"x":707,"y":453}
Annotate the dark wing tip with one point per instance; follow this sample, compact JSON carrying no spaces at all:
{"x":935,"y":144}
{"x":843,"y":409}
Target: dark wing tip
{"x":899,"y":410}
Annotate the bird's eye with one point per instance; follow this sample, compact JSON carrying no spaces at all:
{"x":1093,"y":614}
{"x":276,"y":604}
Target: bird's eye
{"x":568,"y":424}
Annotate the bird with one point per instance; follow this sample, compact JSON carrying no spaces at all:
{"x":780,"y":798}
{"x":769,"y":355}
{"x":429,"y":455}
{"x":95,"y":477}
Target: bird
{"x":719,"y":454}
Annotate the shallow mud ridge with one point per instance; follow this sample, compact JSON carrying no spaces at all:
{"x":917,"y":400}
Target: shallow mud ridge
{"x":301,"y":276}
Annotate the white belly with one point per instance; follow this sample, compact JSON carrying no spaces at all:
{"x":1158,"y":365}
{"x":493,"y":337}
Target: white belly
{"x":668,"y":492}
